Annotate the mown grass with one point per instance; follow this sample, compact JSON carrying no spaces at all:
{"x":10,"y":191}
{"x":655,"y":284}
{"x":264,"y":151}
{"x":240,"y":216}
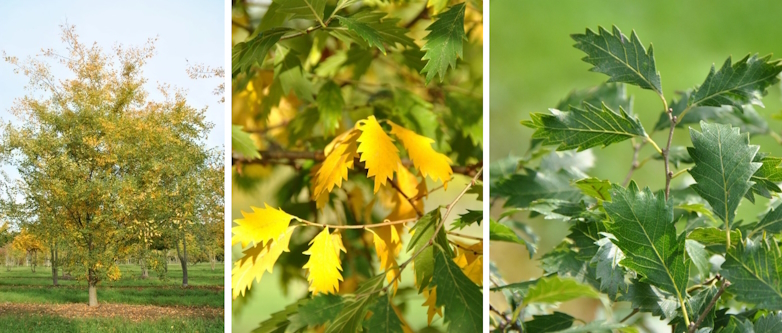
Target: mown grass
{"x":54,"y":324}
{"x":206,"y":288}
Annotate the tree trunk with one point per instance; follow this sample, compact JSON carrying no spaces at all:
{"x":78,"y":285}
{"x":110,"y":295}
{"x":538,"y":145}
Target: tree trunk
{"x":93,"y":288}
{"x":183,"y":260}
{"x":54,"y":266}
{"x":144,"y":270}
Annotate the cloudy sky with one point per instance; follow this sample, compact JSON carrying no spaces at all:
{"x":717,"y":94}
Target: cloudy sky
{"x":188,"y":31}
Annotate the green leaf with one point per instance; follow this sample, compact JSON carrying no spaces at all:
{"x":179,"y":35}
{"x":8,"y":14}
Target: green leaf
{"x":770,"y":323}
{"x":248,"y":53}
{"x":613,"y":95}
{"x":522,"y":189}
{"x":362,"y":29}
{"x":320,"y":309}
{"x":771,"y":222}
{"x":742,"y":83}
{"x":622,"y":59}
{"x":608,"y":271}
{"x":723,"y":167}
{"x":467,"y":219}
{"x":461,"y":298}
{"x":712,"y":238}
{"x":303,"y":9}
{"x":697,"y":208}
{"x":351,"y":318}
{"x":271,"y":18}
{"x":594,"y":187}
{"x":642,"y":223}
{"x":754,"y":268}
{"x":444,"y":43}
{"x":748,"y":121}
{"x":503,"y":233}
{"x":597,"y":326}
{"x":279,"y":321}
{"x":368,"y":29}
{"x":766,"y":178}
{"x":648,"y":298}
{"x":384,"y":318}
{"x":699,"y":256}
{"x":736,"y":325}
{"x":422,"y":231}
{"x":584,"y":128}
{"x":555,"y":289}
{"x":242,"y":143}
{"x":549,"y":323}
{"x":288,"y":69}
{"x":696,"y":305}
{"x":330,"y":104}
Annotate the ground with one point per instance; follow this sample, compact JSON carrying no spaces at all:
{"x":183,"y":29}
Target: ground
{"x":29,"y":302}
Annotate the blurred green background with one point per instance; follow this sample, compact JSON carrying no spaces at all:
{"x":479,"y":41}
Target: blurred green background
{"x":534,"y":65}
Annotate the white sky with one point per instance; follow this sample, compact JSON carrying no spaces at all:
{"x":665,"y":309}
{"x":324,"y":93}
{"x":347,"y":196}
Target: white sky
{"x":188,"y":30}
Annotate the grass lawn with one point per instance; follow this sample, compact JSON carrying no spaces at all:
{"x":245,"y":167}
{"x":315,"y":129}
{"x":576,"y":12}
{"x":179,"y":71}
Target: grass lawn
{"x":21,"y":287}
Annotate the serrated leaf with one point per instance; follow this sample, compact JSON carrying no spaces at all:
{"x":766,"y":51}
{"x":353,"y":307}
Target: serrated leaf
{"x":324,"y":264}
{"x":463,"y":309}
{"x":608,"y":271}
{"x":555,"y":289}
{"x":363,"y":30}
{"x":303,"y":9}
{"x":279,"y":321}
{"x":248,"y":53}
{"x":723,"y":167}
{"x":648,"y":298}
{"x":260,"y":226}
{"x":334,"y":169}
{"x":771,"y":222}
{"x":622,"y":59}
{"x":770,"y":323}
{"x":584,"y":128}
{"x":554,"y":322}
{"x":696,"y":305}
{"x":594,"y":187}
{"x":288,"y":70}
{"x":242,"y":143}
{"x":503,"y":233}
{"x":351,"y":318}
{"x":271,"y":18}
{"x":377,"y":151}
{"x":736,"y":325}
{"x":754,"y":269}
{"x":384,"y":318}
{"x":444,"y":43}
{"x":766,"y":178}
{"x":697,"y":208}
{"x":422,"y":231}
{"x":430,"y":294}
{"x":330,"y":104}
{"x":712,"y":238}
{"x":368,"y":28}
{"x":321,"y":309}
{"x":258,"y":260}
{"x":699,"y":256}
{"x":468,"y":219}
{"x":429,"y":162}
{"x":744,"y":82}
{"x":749,"y":121}
{"x":642,"y":223}
{"x":522,"y":189}
{"x":614,"y":95}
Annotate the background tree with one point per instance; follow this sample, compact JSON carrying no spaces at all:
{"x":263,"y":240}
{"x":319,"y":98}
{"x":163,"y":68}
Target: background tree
{"x":97,"y":156}
{"x":320,"y":88}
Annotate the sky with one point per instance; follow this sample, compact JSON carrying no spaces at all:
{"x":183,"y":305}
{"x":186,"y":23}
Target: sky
{"x":188,"y":30}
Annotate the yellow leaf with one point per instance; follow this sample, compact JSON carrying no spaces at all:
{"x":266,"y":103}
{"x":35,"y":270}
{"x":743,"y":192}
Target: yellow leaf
{"x":335,"y":167}
{"x":388,"y":245}
{"x":257,"y":260}
{"x":260,"y":226}
{"x":324,"y":264}
{"x":430,"y":163}
{"x":470,"y":260}
{"x":378,"y":152}
{"x":410,"y":187}
{"x":431,"y":303}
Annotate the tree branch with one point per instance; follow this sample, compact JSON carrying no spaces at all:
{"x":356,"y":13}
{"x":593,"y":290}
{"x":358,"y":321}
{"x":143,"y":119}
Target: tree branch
{"x":694,"y":326}
{"x":354,"y":226}
{"x":666,"y":153}
{"x":634,"y":166}
{"x":410,"y":200}
{"x":270,"y":156}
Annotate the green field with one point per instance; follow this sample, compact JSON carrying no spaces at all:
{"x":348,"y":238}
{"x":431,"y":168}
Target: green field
{"x":29,"y":302}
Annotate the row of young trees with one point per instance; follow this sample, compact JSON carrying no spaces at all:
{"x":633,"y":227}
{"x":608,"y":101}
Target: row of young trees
{"x":106,"y":172}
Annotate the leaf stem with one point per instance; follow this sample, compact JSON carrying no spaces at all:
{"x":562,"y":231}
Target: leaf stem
{"x":636,"y":310}
{"x":679,"y":173}
{"x":354,"y":226}
{"x":464,"y":236}
{"x":654,"y":144}
{"x":666,"y":153}
{"x":694,"y":326}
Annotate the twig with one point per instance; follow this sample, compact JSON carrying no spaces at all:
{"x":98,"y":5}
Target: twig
{"x":464,"y":236}
{"x":694,"y":326}
{"x":636,"y":310}
{"x":666,"y":153}
{"x":708,"y":282}
{"x":634,"y":166}
{"x":464,"y":248}
{"x":421,"y":195}
{"x":679,"y":173}
{"x":410,"y":200}
{"x":354,"y":226}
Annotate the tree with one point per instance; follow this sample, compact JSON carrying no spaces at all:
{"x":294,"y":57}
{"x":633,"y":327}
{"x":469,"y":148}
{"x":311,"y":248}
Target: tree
{"x":353,"y":115}
{"x":653,"y":249}
{"x":96,"y":155}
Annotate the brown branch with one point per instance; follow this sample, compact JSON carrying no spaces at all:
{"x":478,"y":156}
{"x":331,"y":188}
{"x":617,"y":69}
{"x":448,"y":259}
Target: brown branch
{"x":269,"y":156}
{"x":635,"y":165}
{"x":410,"y":200}
{"x":694,"y":326}
{"x":464,"y":236}
{"x":354,"y":226}
{"x":666,"y":153}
